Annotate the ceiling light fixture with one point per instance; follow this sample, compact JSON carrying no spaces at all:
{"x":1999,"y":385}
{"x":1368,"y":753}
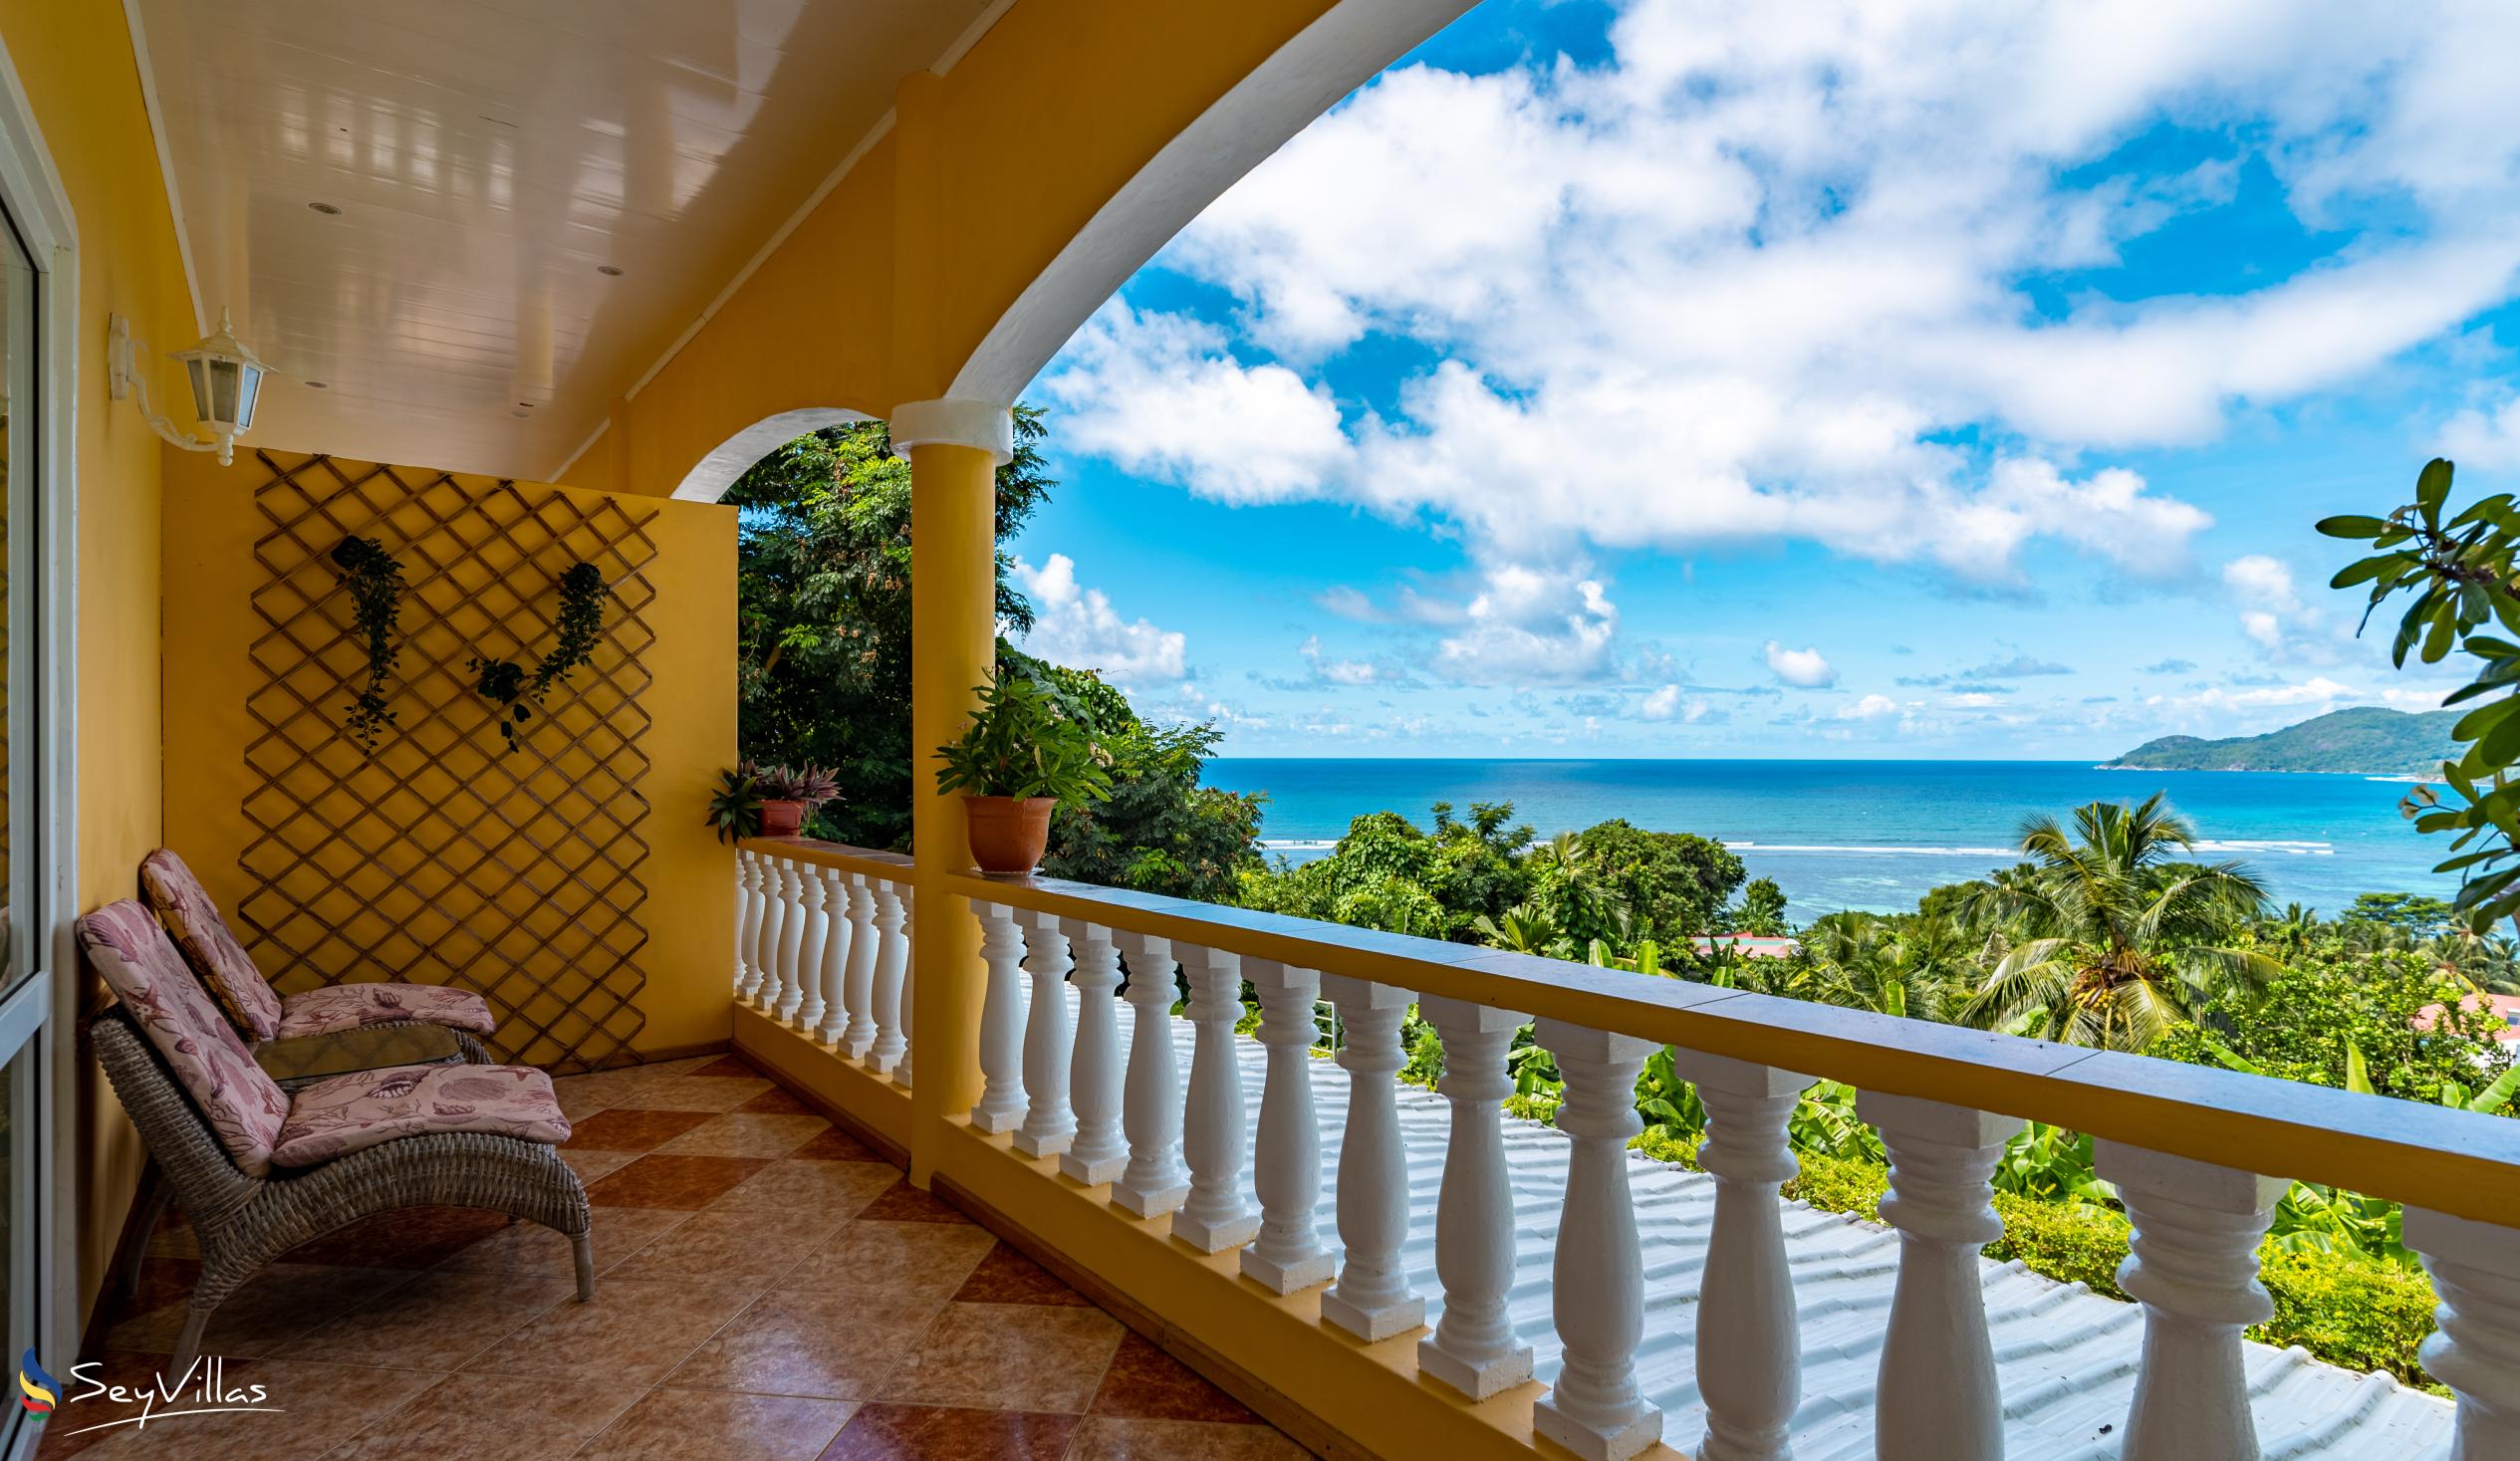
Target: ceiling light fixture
{"x":319,"y":386}
{"x":227,"y":380}
{"x":608,"y":271}
{"x":329,"y":210}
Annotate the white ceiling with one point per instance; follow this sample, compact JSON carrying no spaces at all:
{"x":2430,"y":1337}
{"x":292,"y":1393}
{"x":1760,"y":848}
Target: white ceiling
{"x":488,"y":156}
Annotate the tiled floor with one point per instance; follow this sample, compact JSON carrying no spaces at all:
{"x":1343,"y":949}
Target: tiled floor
{"x":770,"y":1290}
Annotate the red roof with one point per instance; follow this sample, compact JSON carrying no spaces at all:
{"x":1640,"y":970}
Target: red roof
{"x":2505,"y":1007}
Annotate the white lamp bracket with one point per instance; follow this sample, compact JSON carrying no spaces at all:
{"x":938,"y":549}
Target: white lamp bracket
{"x":123,"y":377}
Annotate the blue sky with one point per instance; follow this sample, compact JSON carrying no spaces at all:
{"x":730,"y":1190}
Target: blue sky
{"x":1892,"y":379}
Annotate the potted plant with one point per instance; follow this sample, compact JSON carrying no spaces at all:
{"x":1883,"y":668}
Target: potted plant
{"x":1021,"y":754}
{"x":789,"y":797}
{"x":735,"y":806}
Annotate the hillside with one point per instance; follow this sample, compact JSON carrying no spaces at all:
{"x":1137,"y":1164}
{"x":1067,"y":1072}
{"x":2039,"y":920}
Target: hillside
{"x":2367,"y":740}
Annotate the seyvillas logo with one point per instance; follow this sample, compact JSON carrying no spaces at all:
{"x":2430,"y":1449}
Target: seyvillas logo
{"x":201,"y":1389}
{"x":36,"y":1392}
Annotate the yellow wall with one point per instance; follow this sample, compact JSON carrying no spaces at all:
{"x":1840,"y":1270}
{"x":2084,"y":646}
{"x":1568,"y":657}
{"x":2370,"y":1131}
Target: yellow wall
{"x":212,"y":522}
{"x":75,"y":65}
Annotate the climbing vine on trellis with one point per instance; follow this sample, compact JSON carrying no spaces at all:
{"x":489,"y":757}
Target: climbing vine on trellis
{"x":374,"y":577}
{"x":518,"y":693}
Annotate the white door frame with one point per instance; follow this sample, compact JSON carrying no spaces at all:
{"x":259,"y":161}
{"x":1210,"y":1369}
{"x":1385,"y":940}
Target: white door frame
{"x":31,"y":190}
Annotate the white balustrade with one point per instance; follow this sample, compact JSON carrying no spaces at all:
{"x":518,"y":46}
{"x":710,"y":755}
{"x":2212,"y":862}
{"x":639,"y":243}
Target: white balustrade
{"x":833,"y":971}
{"x":858,"y":1036}
{"x":910,"y":1003}
{"x":1473,"y":1348}
{"x":1938,"y":1399}
{"x":1100,"y":1151}
{"x":747,"y":922}
{"x":891,"y":967}
{"x":2193,"y":1268}
{"x":1001,"y":1104}
{"x":1749,"y":1345}
{"x":1155,"y":1181}
{"x":1597,"y":1410}
{"x":1372,"y":1298}
{"x":791,"y":939}
{"x":774,"y":913}
{"x":809,"y":953}
{"x":1215,"y":1215}
{"x":2475,"y":1348}
{"x":1288,"y":1254}
{"x":1049,"y":1125}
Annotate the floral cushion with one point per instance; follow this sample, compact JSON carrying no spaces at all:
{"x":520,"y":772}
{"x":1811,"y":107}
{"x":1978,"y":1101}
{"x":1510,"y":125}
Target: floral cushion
{"x":347,"y":1114}
{"x":243,"y":1105}
{"x":184,"y":907}
{"x":349,"y":1006}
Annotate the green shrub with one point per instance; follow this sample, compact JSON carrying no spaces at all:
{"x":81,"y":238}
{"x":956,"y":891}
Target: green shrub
{"x":1665,"y":1144}
{"x":1849,"y":1185}
{"x":2349,"y":1310}
{"x":2070,"y":1242}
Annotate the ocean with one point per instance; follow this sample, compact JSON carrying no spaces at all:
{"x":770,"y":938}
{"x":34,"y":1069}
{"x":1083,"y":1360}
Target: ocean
{"x":1875,"y":834}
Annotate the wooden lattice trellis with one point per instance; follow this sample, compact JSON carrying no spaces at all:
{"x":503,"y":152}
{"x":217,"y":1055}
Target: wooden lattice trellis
{"x":445,"y":859}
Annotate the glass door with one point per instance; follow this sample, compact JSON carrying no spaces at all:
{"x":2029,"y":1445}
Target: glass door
{"x":25,"y":991}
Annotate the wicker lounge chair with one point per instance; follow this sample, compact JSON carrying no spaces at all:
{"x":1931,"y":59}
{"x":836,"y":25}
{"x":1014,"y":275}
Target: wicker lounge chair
{"x":258,"y":1173}
{"x":259,"y":1013}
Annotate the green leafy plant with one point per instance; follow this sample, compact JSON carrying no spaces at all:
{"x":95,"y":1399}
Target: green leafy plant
{"x":2462,"y":575}
{"x":811,"y":785}
{"x":517,"y":694}
{"x":1023,"y":742}
{"x":374,"y":577}
{"x":735,"y":806}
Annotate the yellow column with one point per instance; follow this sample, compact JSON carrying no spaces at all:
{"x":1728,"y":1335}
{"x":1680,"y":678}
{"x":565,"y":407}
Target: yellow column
{"x":954,"y":448}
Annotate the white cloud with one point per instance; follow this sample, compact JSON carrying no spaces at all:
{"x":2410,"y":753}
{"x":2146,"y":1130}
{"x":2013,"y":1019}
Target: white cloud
{"x":1078,"y":627}
{"x":1871,"y":707}
{"x":1662,"y":704}
{"x":1531,"y":627}
{"x":1805,"y":668}
{"x":2319,"y":690}
{"x":2484,"y":437}
{"x":2270,"y":607}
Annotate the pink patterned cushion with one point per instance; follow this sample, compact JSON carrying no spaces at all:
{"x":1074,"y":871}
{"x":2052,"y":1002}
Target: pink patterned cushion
{"x":244,"y":1107}
{"x":184,"y":907}
{"x":349,"y":1006}
{"x":333,"y":1119}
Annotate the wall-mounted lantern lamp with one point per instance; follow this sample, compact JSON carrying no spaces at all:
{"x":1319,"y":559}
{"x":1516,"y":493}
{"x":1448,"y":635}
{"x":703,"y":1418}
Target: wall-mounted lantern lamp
{"x":227,"y":380}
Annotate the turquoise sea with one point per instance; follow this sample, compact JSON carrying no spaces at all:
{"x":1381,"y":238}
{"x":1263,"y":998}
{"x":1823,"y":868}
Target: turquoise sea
{"x":1875,"y":834}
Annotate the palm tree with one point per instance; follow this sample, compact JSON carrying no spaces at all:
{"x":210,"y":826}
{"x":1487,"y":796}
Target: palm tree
{"x":2117,"y":939}
{"x":1915,"y":966}
{"x":1526,"y":931}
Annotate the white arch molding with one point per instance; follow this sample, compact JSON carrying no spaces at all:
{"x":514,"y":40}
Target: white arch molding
{"x":709,"y":478}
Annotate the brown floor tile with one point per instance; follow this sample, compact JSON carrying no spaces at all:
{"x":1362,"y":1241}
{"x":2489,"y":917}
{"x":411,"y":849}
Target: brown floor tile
{"x":629,"y":1332}
{"x":835,"y":1346}
{"x":717,"y":1425}
{"x":1008,"y":1277}
{"x":928,"y":1433}
{"x":691,"y":1092}
{"x":927,"y":1260}
{"x":736,"y":1065}
{"x":623,"y":1130}
{"x":276,"y":1306}
{"x":836,"y":1145}
{"x":904,"y":1203}
{"x":688,"y":1065}
{"x":838,"y":1187}
{"x":413,"y":1237}
{"x":742,"y":1134}
{"x":583,"y":1096}
{"x":777,"y":1103}
{"x":494,"y":1417}
{"x":733,"y":1246}
{"x":594,"y":1166}
{"x":436,"y":1322}
{"x":164,"y":1281}
{"x":534,"y":1251}
{"x":321,"y":1406}
{"x":686,"y":1182}
{"x":1146,"y":1384}
{"x":1008,"y":1356}
{"x":1103,"y":1438}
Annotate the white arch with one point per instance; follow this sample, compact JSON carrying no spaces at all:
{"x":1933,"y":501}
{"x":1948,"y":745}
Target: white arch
{"x":709,"y":478}
{"x":1325,"y":60}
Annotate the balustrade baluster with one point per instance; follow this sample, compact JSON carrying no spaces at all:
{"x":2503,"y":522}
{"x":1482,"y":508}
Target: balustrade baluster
{"x":747,"y":922}
{"x":2193,"y":1268}
{"x":1372,"y":1298}
{"x":790,"y":939}
{"x":774,"y":912}
{"x":834,"y":969}
{"x":1215,"y":1216}
{"x":1288,"y":1254}
{"x":1100,"y":1149}
{"x":892,"y":964}
{"x":909,"y":988}
{"x":1749,"y":1343}
{"x":1048,"y":1126}
{"x":2475,"y":1348}
{"x":1473,"y":1348}
{"x":1598,"y":1282}
{"x":1155,"y":1181}
{"x":808,"y":995}
{"x":858,"y":1036}
{"x":1938,"y":1397}
{"x":1001,"y":1104}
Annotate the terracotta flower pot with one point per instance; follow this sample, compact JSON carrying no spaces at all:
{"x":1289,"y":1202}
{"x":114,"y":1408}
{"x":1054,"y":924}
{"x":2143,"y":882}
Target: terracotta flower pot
{"x":782,"y":819}
{"x":1009,"y":834}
